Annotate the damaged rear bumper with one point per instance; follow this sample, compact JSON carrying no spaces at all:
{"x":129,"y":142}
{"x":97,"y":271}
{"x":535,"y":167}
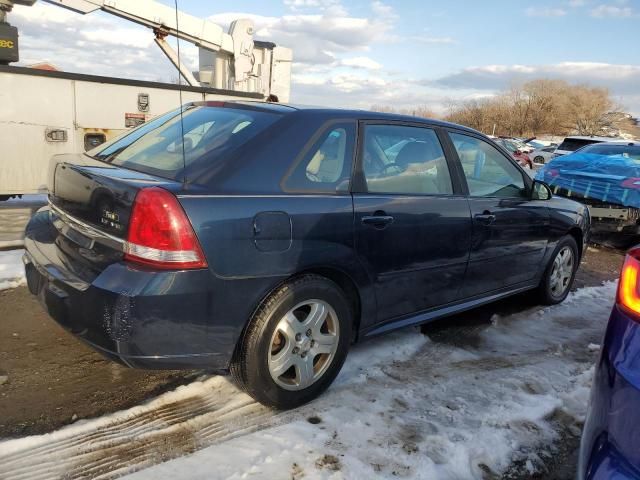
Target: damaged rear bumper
{"x":139,"y":317}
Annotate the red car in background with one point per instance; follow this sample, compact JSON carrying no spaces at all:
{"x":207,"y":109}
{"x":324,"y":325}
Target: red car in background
{"x":512,"y":147}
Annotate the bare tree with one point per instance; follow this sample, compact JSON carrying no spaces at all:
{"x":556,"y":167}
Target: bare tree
{"x":539,"y":106}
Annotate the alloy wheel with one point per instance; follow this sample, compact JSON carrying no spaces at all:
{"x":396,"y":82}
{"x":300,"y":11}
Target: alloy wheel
{"x":303,"y":344}
{"x":561,"y":272}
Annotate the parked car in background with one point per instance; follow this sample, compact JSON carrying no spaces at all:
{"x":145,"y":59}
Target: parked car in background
{"x":257,"y":239}
{"x":520,"y":143}
{"x":514,"y":149}
{"x":543,"y":155}
{"x":610,"y":447}
{"x":573,"y":143}
{"x":605,"y":177}
{"x":539,"y":144}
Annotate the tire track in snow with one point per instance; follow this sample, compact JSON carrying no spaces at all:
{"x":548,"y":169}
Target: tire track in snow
{"x":177,"y":423}
{"x":214,"y":411}
{"x":144,"y":436}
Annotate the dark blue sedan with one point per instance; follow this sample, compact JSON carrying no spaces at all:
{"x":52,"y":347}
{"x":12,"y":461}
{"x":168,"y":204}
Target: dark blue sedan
{"x":263,"y":239}
{"x":611,"y":439}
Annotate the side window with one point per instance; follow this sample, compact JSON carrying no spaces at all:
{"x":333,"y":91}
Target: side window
{"x":488,"y":172}
{"x":404,"y":160}
{"x":328,"y":162}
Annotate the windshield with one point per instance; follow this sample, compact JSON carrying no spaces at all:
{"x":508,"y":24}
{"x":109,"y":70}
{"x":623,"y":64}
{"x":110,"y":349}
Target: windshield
{"x":573,"y":144}
{"x":508,"y":144}
{"x":629,"y":151}
{"x":165,"y":146}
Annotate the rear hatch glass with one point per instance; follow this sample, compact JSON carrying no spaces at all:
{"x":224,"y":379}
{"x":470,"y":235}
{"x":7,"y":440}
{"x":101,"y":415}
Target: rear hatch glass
{"x":573,"y":144}
{"x":168,"y":145}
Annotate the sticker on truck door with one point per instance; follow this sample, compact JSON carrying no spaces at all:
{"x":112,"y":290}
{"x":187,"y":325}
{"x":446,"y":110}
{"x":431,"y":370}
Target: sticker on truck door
{"x":134,"y":119}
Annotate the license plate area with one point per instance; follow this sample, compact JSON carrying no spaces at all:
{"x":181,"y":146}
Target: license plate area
{"x":615,"y":213}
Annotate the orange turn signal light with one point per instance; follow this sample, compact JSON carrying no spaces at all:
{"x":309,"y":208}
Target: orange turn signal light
{"x":628,"y":295}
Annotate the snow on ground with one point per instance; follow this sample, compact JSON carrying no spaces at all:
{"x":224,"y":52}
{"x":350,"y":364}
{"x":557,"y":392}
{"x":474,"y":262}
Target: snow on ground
{"x":403,"y":406}
{"x":11,"y":269}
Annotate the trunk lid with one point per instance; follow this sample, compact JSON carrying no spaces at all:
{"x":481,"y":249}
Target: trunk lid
{"x":91,"y":203}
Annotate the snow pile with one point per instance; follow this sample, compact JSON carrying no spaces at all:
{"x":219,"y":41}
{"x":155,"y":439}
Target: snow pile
{"x":403,"y":406}
{"x":11,"y":269}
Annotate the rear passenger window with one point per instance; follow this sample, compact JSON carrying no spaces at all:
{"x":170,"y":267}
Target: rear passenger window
{"x":404,"y":160}
{"x":327,"y":164}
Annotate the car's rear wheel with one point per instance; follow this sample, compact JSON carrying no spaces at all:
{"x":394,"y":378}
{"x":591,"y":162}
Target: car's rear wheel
{"x":539,"y":159}
{"x":295,"y":344}
{"x":560,"y":272}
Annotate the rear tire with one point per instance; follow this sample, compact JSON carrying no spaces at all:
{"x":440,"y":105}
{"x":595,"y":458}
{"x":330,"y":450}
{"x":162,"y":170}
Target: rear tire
{"x":295,"y":344}
{"x":560,"y":272}
{"x":539,"y":159}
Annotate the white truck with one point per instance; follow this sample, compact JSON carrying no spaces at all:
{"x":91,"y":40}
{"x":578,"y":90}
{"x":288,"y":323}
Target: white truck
{"x":44,"y":112}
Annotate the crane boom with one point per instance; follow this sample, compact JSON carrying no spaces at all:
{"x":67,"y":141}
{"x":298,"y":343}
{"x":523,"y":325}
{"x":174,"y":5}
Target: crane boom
{"x":167,"y":21}
{"x":228,"y":60}
{"x":154,"y":15}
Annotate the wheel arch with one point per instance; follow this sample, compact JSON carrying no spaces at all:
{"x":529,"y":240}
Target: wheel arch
{"x":347,"y":284}
{"x":578,"y":236}
{"x":342,"y":279}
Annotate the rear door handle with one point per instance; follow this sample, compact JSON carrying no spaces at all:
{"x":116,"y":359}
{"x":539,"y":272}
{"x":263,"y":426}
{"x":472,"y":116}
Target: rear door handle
{"x":485,"y":218}
{"x":377,"y":221}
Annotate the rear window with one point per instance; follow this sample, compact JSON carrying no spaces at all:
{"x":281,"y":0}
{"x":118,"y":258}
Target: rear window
{"x":573,"y":144}
{"x":166,"y":146}
{"x":629,"y":151}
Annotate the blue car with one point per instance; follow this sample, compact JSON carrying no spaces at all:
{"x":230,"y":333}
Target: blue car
{"x":610,"y":446}
{"x":262,"y":240}
{"x":604,"y":176}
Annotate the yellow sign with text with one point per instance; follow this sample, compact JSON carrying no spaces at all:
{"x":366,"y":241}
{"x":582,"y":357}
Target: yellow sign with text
{"x":6,"y":43}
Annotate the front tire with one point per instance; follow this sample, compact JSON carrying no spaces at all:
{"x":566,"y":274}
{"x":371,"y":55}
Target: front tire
{"x":560,"y":272}
{"x":295,"y":344}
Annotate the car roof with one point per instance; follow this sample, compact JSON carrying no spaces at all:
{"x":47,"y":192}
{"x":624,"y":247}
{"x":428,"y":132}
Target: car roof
{"x":628,"y":143}
{"x":359,"y":114}
{"x":594,"y":137}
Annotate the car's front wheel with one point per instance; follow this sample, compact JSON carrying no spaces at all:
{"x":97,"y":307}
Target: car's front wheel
{"x":560,"y":272}
{"x":295,"y":344}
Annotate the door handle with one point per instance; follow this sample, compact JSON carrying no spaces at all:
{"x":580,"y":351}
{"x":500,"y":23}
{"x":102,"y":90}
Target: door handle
{"x":485,"y":218}
{"x":377,"y":221}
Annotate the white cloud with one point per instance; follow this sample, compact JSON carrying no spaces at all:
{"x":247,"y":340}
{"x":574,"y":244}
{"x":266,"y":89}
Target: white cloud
{"x":432,"y":40}
{"x":577,"y":3}
{"x":545,"y":12}
{"x":611,"y":11}
{"x":621,"y":80}
{"x":316,"y":38}
{"x":97,"y":43}
{"x":361,"y":62}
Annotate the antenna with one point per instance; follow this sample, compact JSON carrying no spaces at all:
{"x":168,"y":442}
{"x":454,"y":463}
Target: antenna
{"x":184,"y":159}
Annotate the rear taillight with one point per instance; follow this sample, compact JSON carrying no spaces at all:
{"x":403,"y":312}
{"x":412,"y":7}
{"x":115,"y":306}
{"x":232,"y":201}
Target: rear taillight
{"x":628,"y":295}
{"x":631,"y":183}
{"x":160,"y":234}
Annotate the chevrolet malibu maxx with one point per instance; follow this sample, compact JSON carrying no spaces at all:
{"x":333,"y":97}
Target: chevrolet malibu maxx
{"x":262,"y":240}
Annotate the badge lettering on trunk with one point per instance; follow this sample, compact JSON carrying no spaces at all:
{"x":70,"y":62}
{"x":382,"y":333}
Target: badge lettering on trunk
{"x":111,"y":219}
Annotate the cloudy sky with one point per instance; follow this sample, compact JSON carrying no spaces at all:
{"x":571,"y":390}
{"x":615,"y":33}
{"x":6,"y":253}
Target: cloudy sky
{"x":403,"y":53}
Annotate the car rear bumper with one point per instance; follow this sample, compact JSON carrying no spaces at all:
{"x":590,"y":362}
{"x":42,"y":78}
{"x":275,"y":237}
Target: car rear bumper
{"x":610,"y":446}
{"x":142,"y":318}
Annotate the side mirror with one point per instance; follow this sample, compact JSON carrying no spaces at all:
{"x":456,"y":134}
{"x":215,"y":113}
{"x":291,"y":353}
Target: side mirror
{"x":541,"y":191}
